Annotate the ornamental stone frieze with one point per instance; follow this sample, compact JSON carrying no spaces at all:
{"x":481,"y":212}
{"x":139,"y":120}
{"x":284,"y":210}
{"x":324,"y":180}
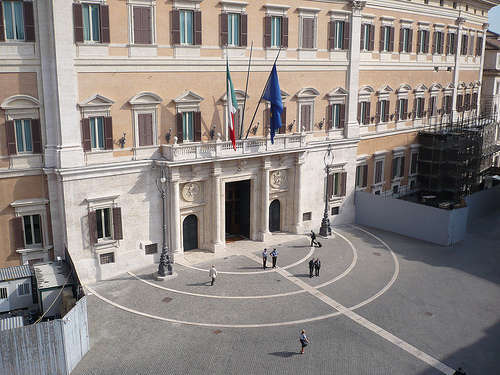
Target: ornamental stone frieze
{"x":279,"y":179}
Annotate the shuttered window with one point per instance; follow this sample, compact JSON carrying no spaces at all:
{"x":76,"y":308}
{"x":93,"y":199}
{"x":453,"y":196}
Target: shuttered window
{"x":142,"y":25}
{"x":413,"y":163}
{"x":379,"y":171}
{"x":188,"y":126}
{"x":23,"y":136}
{"x":13,"y":20}
{"x":305,"y":117}
{"x":386,"y":38}
{"x":96,"y":133}
{"x":186,"y":26}
{"x":364,"y":113}
{"x":275,"y":31}
{"x":419,"y":107}
{"x":405,"y":40}
{"x":337,"y":184}
{"x":398,"y":165}
{"x":367,"y":37}
{"x":361,"y":176}
{"x":91,"y":24}
{"x":103,"y":223}
{"x":145,"y":129}
{"x":339,"y":35}
{"x":438,"y":43}
{"x":423,"y":41}
{"x":233,"y":29}
{"x":308,"y":32}
{"x":32,"y":226}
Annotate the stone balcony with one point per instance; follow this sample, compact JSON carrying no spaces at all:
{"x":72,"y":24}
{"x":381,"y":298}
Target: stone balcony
{"x":224,"y":149}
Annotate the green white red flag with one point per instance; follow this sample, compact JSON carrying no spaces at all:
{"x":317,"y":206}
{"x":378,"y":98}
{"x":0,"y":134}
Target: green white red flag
{"x":232,"y":106}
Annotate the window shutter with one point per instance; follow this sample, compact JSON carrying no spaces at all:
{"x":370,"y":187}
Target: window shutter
{"x":474,"y":101}
{"x":430,"y":110}
{"x":36,"y":133}
{"x":342,"y":116}
{"x":434,"y":42}
{"x":146,"y":25}
{"x":442,"y":44}
{"x":391,"y":39}
{"x":347,"y":36}
{"x":422,"y":108}
{"x":180,"y":133}
{"x":267,"y":120}
{"x":283,"y":122}
{"x":372,"y":37}
{"x":405,"y":109}
{"x":402,"y":167}
{"x":471,"y":45}
{"x":223,"y":29}
{"x":145,"y":129}
{"x":394,"y":168}
{"x":426,"y":40}
{"x":138,"y":36}
{"x":305,"y":118}
{"x":460,"y":101}
{"x":2,"y":27}
{"x":448,"y":105}
{"x":448,"y":43}
{"x":419,"y":36}
{"x":10,"y":136}
{"x":479,"y":46}
{"x":365,"y":175}
{"x":108,"y":133}
{"x":104,"y":14}
{"x":343,"y":183}
{"x":17,"y":230}
{"x":197,"y":28}
{"x":284,"y":32}
{"x":377,"y":114}
{"x":86,"y":143}
{"x":331,"y":35}
{"x":359,"y":113}
{"x":401,"y":36}
{"x":243,"y":30}
{"x":78,"y":22}
{"x":398,"y":104}
{"x":29,"y":21}
{"x":267,"y":31}
{"x":381,"y":42}
{"x":410,"y":40}
{"x":329,"y":116}
{"x":362,"y":37}
{"x":386,"y":114}
{"x":176,"y":27}
{"x":329,"y":188}
{"x":117,"y":223}
{"x":464,"y":44}
{"x":367,"y":113}
{"x":92,"y":227}
{"x":197,"y":126}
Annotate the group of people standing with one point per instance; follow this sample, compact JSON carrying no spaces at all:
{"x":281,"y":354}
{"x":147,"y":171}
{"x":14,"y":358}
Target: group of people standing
{"x":314,"y":267}
{"x":273,"y":255}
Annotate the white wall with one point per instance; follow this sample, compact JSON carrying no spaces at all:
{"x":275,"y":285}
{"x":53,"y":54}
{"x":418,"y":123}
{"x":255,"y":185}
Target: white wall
{"x":14,"y":300}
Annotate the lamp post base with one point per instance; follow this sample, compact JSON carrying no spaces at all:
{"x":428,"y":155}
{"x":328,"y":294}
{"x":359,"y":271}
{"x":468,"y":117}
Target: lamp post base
{"x":157,"y":277}
{"x":325,"y":230}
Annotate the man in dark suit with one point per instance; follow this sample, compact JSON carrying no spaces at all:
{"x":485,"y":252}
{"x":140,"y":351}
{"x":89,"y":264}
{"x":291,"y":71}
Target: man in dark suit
{"x":311,"y":267}
{"x":317,"y":266}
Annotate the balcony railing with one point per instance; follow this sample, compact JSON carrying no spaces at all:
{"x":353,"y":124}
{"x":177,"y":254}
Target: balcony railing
{"x":224,"y":149}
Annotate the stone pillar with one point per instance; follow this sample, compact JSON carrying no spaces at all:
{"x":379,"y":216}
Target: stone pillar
{"x":485,"y":31}
{"x":175,"y":214}
{"x":264,"y":224}
{"x":297,"y":194}
{"x":217,"y":207}
{"x":456,"y":76}
{"x":352,"y":128}
{"x":63,"y":148}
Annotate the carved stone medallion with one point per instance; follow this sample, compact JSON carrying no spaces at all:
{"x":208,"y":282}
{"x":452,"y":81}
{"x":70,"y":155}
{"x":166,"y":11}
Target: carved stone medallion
{"x":191,"y":191}
{"x":278,"y":179}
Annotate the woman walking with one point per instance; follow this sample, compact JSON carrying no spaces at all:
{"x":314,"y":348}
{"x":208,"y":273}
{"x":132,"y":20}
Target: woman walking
{"x":304,"y":341}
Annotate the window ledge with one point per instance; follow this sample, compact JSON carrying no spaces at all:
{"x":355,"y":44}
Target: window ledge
{"x":16,"y":43}
{"x":105,"y":245}
{"x":91,"y":44}
{"x":142,"y":45}
{"x":335,"y":199}
{"x":33,"y":250}
{"x":92,"y":152}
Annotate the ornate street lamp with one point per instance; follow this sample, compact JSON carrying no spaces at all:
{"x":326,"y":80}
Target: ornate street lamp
{"x":325,"y":229}
{"x":165,"y":261}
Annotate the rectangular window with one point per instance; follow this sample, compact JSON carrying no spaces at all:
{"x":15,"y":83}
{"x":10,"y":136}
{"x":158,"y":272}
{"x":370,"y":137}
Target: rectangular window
{"x":365,"y":29}
{"x":91,"y":25}
{"x":387,"y":38}
{"x":398,"y":167}
{"x":23,"y":289}
{"x":186,"y":17}
{"x":419,"y":109}
{"x":452,"y":43}
{"x":188,"y":126}
{"x":233,"y":29}
{"x":308,"y":32}
{"x":365,"y":116}
{"x":335,"y":211}
{"x":103,"y":223}
{"x":406,"y":40}
{"x":275,"y":31}
{"x":32,"y":225}
{"x":438,"y":42}
{"x":3,"y":293}
{"x":97,"y":133}
{"x":379,"y":171}
{"x":413,"y":164}
{"x":306,"y":216}
{"x":447,"y":104}
{"x":432,"y":106}
{"x":339,"y":34}
{"x":336,"y":116}
{"x":13,"y":20}
{"x":23,"y":136}
{"x":143,"y":26}
{"x":306,"y":117}
{"x":401,"y":109}
{"x":384,"y":110}
{"x":361,"y":176}
{"x":151,"y":248}
{"x":422,"y":42}
{"x":107,"y":258}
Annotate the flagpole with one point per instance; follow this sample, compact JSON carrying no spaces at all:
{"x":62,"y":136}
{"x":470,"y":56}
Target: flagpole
{"x":261,"y":95}
{"x":242,"y":126}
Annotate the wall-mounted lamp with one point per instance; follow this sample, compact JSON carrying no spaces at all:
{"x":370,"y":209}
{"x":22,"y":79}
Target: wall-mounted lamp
{"x":168,"y":135}
{"x":122,"y":140}
{"x":436,"y":68}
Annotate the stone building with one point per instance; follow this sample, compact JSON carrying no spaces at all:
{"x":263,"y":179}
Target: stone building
{"x":99,"y":97}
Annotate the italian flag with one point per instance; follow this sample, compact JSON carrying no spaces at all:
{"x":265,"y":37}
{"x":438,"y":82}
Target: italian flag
{"x":232,"y":105}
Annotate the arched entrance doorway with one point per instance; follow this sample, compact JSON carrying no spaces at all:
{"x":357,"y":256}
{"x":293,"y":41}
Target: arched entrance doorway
{"x":274,"y":216}
{"x":190,"y":232}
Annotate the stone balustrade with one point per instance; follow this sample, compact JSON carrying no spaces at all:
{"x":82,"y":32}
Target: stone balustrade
{"x":224,"y":149}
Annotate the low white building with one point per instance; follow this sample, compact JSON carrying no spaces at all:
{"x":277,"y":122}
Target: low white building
{"x":16,"y":289}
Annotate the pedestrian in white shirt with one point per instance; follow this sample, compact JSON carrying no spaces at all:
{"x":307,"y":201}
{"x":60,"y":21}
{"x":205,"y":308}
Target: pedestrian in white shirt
{"x":212,"y":274}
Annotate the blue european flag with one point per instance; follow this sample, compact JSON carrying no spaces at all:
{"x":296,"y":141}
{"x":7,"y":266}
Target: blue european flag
{"x":272,"y":93}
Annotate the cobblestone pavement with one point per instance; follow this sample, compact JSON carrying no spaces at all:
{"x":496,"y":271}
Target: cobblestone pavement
{"x":443,"y":301}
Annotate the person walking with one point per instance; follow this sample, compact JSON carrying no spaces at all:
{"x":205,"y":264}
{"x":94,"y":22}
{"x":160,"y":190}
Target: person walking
{"x":311,"y":267}
{"x":274,"y":255}
{"x":264,"y":258}
{"x":212,"y":273}
{"x":313,"y":238}
{"x":317,"y":266}
{"x":304,"y":341}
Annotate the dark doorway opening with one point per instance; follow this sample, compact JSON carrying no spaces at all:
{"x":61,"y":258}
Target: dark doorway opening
{"x":274,"y":216}
{"x":190,"y":232}
{"x":237,"y":210}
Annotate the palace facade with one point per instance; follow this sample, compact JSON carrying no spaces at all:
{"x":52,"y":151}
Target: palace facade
{"x":100,"y":98}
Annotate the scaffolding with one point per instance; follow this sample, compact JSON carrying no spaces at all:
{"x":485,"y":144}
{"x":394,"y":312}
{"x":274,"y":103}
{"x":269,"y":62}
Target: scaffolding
{"x":454,"y":156}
